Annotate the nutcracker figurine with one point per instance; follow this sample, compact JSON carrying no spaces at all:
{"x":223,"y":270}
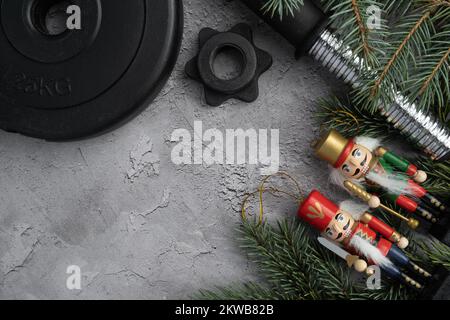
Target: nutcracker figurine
{"x":362,"y":165}
{"x":365,"y":236}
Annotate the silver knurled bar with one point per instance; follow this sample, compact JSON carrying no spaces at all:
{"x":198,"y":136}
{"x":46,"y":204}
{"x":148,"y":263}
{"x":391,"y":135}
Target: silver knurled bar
{"x":427,"y":132}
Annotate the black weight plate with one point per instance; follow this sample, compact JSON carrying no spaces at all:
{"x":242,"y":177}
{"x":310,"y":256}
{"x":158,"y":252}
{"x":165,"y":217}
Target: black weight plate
{"x":81,"y":83}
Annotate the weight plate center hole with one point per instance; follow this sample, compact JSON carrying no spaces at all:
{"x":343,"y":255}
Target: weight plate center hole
{"x":227,"y":63}
{"x":49,"y":17}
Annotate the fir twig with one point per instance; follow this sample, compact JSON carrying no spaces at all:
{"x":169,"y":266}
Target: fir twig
{"x":430,"y":82}
{"x":439,"y":3}
{"x":350,"y":18}
{"x":442,"y":64}
{"x":408,"y":39}
{"x":282,"y":7}
{"x":436,"y":252}
{"x":438,"y":176}
{"x":399,"y":50}
{"x":344,"y":116}
{"x":297,"y":267}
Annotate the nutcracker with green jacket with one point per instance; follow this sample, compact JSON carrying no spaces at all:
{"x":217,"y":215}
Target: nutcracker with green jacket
{"x":364,"y":163}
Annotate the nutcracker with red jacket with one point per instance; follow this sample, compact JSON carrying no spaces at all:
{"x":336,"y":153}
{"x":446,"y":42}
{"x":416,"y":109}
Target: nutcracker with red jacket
{"x":361,"y":164}
{"x":367,"y":237}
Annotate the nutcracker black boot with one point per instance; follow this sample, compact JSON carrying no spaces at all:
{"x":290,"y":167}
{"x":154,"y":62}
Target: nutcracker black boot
{"x":439,"y":206}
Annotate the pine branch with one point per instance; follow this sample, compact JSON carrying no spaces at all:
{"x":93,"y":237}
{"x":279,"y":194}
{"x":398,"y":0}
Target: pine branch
{"x":440,"y":66}
{"x":443,"y":113}
{"x":401,"y":48}
{"x":282,"y":263}
{"x":344,"y":116}
{"x":297,"y":267}
{"x":439,"y":3}
{"x":350,"y":19}
{"x":282,"y":7}
{"x":361,"y":27}
{"x":395,"y":10}
{"x":437,"y":252}
{"x":430,"y":82}
{"x":438,"y":176}
{"x":407,"y":40}
{"x":416,"y":60}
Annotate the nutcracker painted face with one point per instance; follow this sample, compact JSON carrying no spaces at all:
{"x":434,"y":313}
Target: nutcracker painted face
{"x":351,"y":159}
{"x":356,"y":165}
{"x":325,"y":216}
{"x":340,"y":227}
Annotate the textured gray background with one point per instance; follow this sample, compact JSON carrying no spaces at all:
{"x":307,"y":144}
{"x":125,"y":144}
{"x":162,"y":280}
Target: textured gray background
{"x":138,"y":225}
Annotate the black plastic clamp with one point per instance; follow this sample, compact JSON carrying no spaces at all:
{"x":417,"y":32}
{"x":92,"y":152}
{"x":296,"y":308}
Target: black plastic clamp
{"x":245,"y":85}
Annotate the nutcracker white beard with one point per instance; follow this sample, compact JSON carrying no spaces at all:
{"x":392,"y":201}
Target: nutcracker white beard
{"x":393,"y":183}
{"x":369,"y":251}
{"x":396,"y":183}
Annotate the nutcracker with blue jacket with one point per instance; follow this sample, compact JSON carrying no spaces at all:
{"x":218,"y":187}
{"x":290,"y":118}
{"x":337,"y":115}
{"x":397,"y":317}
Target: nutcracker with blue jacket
{"x":362,"y":164}
{"x":351,"y":227}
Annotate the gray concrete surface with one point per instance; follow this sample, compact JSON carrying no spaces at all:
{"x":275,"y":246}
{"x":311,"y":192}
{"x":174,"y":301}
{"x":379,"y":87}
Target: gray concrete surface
{"x":139,"y":226}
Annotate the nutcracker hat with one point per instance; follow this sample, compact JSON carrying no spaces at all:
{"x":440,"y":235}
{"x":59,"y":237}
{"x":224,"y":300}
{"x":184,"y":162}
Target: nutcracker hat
{"x":317,"y":210}
{"x":334,"y":148}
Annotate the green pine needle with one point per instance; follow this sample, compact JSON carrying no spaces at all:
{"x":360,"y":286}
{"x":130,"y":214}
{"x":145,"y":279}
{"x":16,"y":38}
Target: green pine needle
{"x":437,"y":252}
{"x":345,"y":116}
{"x":438,"y":176}
{"x":430,"y":81}
{"x":408,"y":39}
{"x":350,"y":19}
{"x":282,"y":7}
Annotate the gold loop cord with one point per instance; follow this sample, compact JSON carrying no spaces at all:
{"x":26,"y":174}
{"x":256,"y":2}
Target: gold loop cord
{"x":261,"y":190}
{"x":351,"y":116}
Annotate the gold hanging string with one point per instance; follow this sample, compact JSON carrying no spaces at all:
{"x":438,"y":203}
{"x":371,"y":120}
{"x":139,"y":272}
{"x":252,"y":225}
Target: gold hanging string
{"x":274,"y":192}
{"x":297,"y":196}
{"x":348,"y":122}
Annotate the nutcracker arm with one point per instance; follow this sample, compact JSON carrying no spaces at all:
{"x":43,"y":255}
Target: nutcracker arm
{"x":385,"y":230}
{"x":367,"y":197}
{"x":401,"y":164}
{"x":358,"y":191}
{"x":360,"y":265}
{"x":353,"y":261}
